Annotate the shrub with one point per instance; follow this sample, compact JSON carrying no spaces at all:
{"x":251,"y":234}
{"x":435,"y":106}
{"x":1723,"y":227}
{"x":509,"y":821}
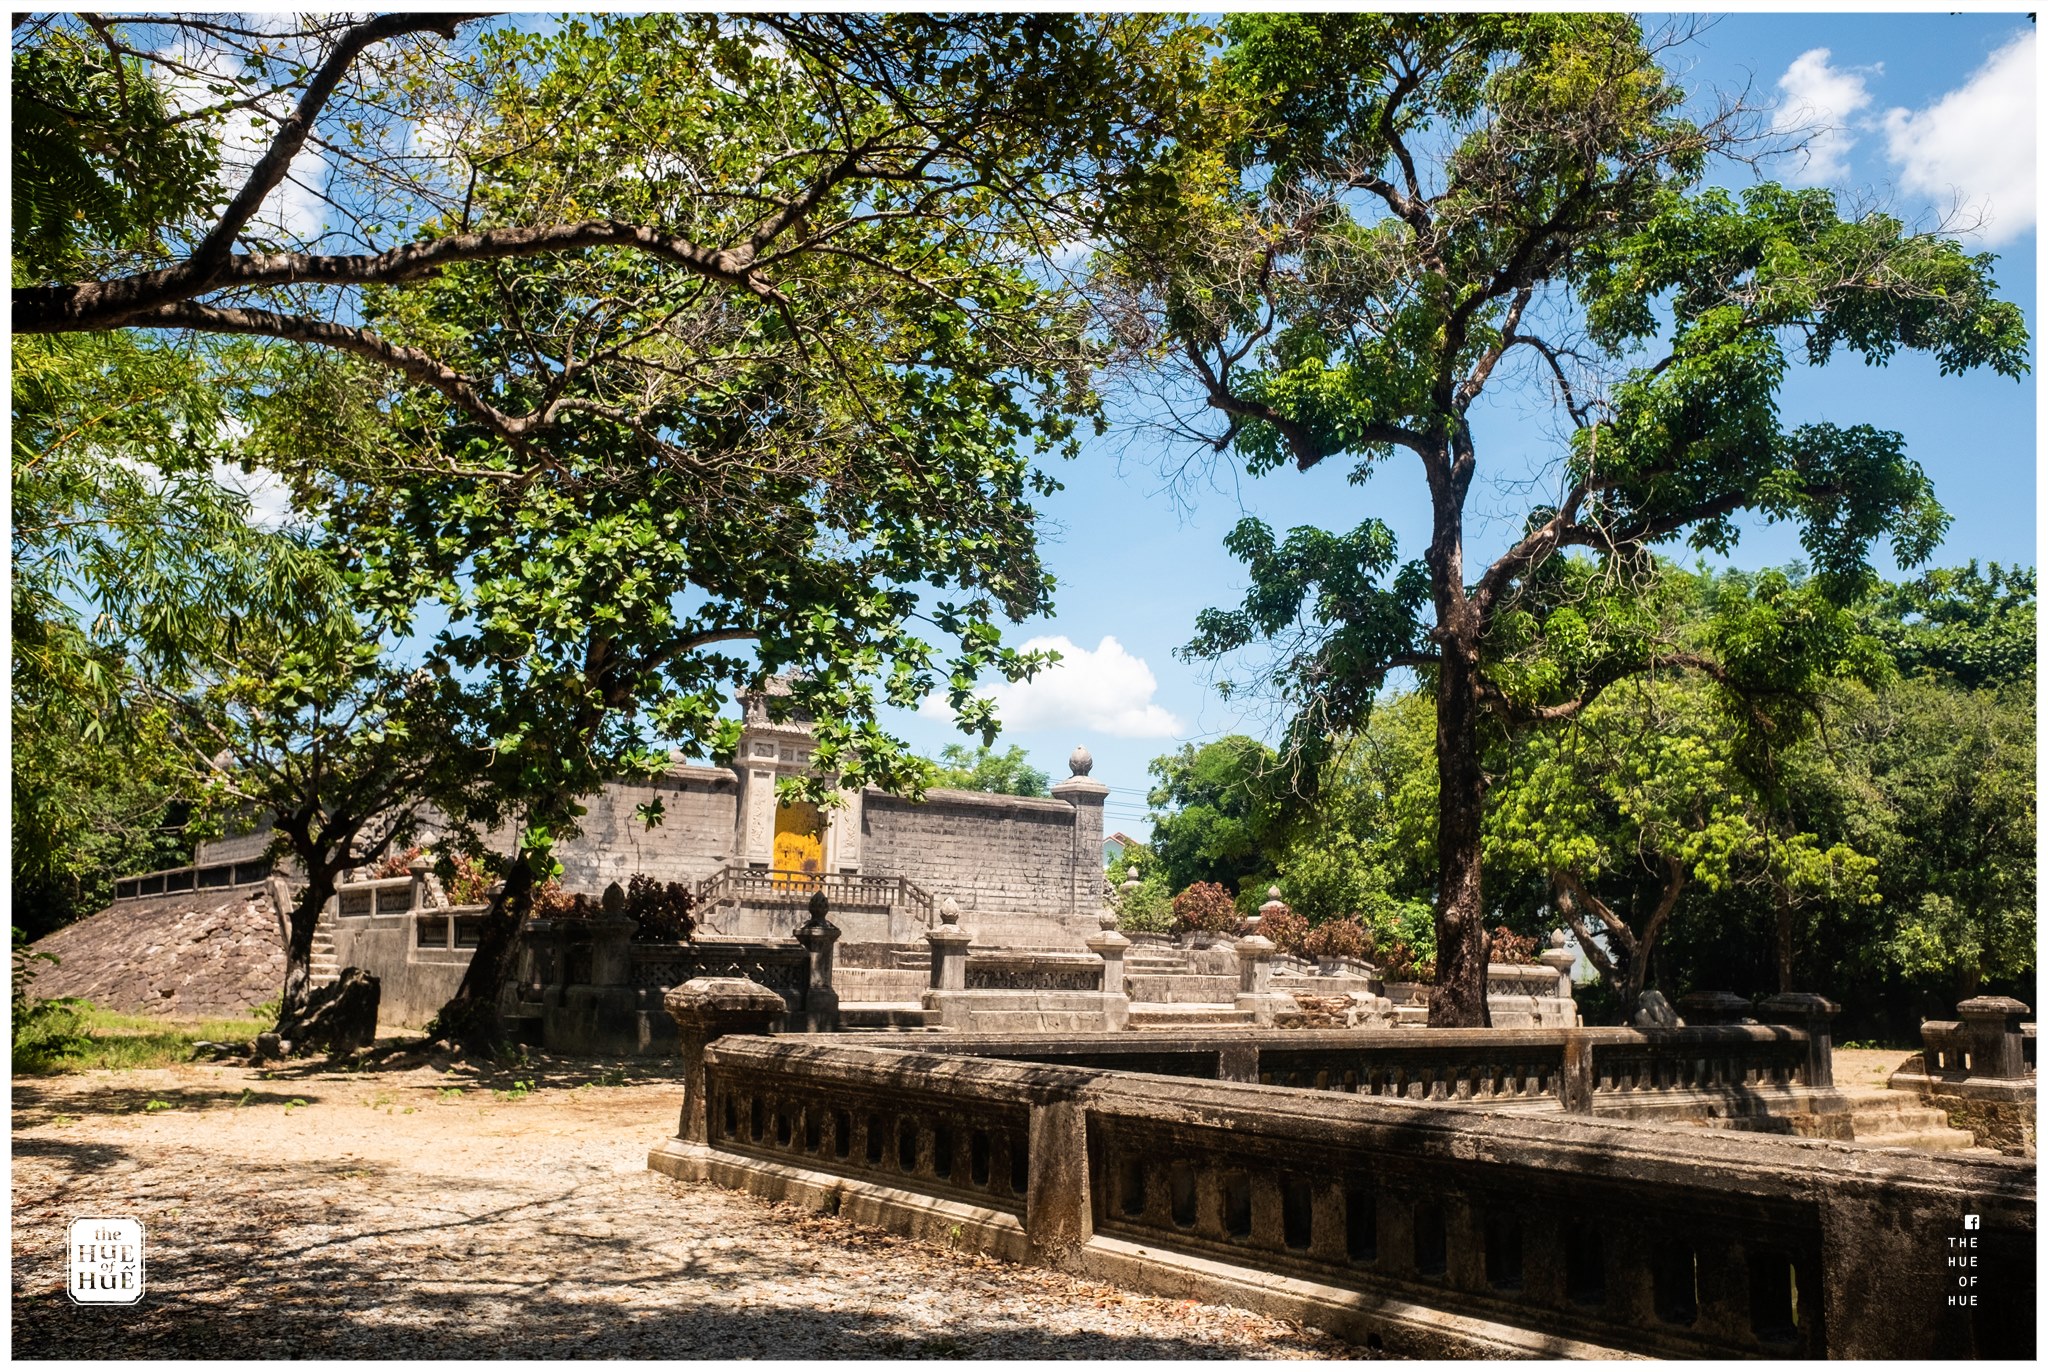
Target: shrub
{"x":551,"y":901}
{"x":1286,"y":929}
{"x":1204,"y":908}
{"x":396,"y":864}
{"x":1510,"y":947}
{"x":661,"y":909}
{"x":1399,"y":963}
{"x":467,"y":883}
{"x":1146,"y":910}
{"x":1340,"y":938}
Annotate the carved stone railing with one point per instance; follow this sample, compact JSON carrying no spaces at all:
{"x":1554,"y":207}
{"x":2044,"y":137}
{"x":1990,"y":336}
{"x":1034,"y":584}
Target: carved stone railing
{"x":172,"y":880}
{"x":845,"y":891}
{"x":1025,"y":971}
{"x":781,"y":967}
{"x":1585,"y":1071}
{"x":1400,"y":1224}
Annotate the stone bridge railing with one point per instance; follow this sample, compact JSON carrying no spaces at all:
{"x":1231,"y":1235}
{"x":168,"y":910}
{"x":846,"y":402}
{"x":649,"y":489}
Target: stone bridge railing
{"x":1405,"y":1225}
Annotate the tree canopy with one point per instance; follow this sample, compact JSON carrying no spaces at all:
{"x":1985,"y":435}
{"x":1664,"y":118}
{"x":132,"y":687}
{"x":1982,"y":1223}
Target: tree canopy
{"x":1419,"y":213}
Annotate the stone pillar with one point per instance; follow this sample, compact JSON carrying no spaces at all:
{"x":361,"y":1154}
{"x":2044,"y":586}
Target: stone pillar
{"x":1715,"y":1007}
{"x":1991,"y":1026}
{"x":949,"y":949}
{"x":611,"y":941}
{"x":821,"y":1002}
{"x":422,"y":896}
{"x":1559,"y":959}
{"x":709,"y":1008}
{"x":1255,"y":980}
{"x":1111,"y":946}
{"x":843,"y":825}
{"x":1575,"y":1080}
{"x":1059,"y":1217}
{"x":1804,"y":1010}
{"x":1087,"y":797}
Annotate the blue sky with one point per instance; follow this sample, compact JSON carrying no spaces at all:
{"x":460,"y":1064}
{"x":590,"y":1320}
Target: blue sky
{"x":1924,"y":112}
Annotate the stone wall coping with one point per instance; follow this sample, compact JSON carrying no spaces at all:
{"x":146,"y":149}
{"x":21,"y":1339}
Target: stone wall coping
{"x":976,"y":800}
{"x":374,"y":884}
{"x":1216,"y":1040}
{"x":1705,"y":1163}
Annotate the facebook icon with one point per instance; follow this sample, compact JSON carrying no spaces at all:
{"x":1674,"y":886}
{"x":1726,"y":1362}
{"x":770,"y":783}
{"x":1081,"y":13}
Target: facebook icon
{"x":1973,"y":1221}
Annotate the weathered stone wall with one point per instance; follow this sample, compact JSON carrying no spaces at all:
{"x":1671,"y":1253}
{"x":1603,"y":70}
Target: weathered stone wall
{"x":1006,"y":854}
{"x":241,"y":848}
{"x":693,"y":840}
{"x":211,"y":953}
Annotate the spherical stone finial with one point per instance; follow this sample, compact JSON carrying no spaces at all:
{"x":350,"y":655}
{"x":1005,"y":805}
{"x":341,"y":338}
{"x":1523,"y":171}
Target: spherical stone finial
{"x":1106,"y":917}
{"x":818,"y":907}
{"x":1080,"y":762}
{"x":949,"y":911}
{"x":1272,"y":893}
{"x":614,"y":899}
{"x":1557,"y":938}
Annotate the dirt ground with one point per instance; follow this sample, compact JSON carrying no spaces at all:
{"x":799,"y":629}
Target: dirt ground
{"x":453,"y":1214}
{"x":1868,"y":1066}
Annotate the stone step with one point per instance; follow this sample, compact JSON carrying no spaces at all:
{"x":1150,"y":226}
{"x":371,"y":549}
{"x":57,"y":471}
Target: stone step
{"x":1161,"y":1016}
{"x":1923,"y":1141}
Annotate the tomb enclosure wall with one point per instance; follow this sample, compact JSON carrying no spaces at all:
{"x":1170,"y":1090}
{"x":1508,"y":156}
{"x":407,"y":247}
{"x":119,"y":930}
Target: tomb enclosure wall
{"x":994,"y":854}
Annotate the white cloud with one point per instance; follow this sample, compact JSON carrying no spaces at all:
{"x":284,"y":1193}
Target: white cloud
{"x":1974,"y":147}
{"x":1103,"y":691}
{"x":270,"y":500}
{"x":295,"y":208}
{"x":1818,"y":100}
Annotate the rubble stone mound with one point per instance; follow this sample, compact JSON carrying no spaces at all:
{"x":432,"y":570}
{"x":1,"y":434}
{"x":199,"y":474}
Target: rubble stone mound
{"x":203,"y":955}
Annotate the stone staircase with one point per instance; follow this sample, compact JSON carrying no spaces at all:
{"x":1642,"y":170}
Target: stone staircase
{"x":326,"y":966}
{"x":1899,"y":1119}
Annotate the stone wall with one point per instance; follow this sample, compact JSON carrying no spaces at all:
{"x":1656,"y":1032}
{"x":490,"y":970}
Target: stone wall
{"x":700,"y":806}
{"x":1002,"y":854}
{"x":204,"y":954}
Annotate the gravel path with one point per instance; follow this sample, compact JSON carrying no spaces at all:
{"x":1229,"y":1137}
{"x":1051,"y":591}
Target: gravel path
{"x":452,"y":1215}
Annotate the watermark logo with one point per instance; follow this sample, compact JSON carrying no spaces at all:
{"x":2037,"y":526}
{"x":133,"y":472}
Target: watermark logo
{"x":106,"y":1261}
{"x":1973,"y":1221}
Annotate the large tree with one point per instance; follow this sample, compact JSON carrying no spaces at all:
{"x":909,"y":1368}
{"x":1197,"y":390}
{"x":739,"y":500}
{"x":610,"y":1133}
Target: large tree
{"x":1424,"y":211}
{"x":653,"y":354}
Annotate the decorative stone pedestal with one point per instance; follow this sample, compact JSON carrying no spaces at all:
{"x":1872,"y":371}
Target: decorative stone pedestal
{"x":1255,"y":991}
{"x":706,"y":1009}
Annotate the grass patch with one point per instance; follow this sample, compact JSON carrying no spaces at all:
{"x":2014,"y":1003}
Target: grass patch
{"x":62,"y":1036}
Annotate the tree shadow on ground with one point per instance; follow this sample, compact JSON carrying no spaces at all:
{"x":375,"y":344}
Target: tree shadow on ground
{"x":38,"y":1101}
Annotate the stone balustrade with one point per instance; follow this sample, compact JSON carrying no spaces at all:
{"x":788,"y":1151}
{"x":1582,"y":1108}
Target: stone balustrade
{"x":172,"y":880}
{"x":1979,"y":1069}
{"x":1716,"y":1070}
{"x":1409,"y":1228}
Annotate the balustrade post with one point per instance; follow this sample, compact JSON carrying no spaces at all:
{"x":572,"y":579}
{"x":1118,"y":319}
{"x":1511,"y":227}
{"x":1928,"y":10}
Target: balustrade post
{"x":949,"y":949}
{"x":1804,"y":1010}
{"x":1110,"y":946}
{"x":1991,"y":1028}
{"x":706,"y":1009}
{"x":1059,"y":1216}
{"x":821,"y":1002}
{"x":611,"y":941}
{"x":1559,"y":959}
{"x":1255,"y":980}
{"x":1575,"y":1077}
{"x":418,"y":897}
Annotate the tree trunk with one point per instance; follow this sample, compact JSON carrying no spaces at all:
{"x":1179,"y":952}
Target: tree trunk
{"x":470,"y":1018}
{"x":298,"y":949}
{"x":1458,"y":1000}
{"x":1784,"y":948}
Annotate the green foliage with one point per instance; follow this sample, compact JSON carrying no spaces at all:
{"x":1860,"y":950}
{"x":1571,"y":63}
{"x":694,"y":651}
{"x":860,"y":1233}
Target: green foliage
{"x":1007,"y":773}
{"x":1345,"y":937}
{"x":100,"y":161}
{"x":1220,"y":812}
{"x":1974,"y":628}
{"x":1147,"y":908}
